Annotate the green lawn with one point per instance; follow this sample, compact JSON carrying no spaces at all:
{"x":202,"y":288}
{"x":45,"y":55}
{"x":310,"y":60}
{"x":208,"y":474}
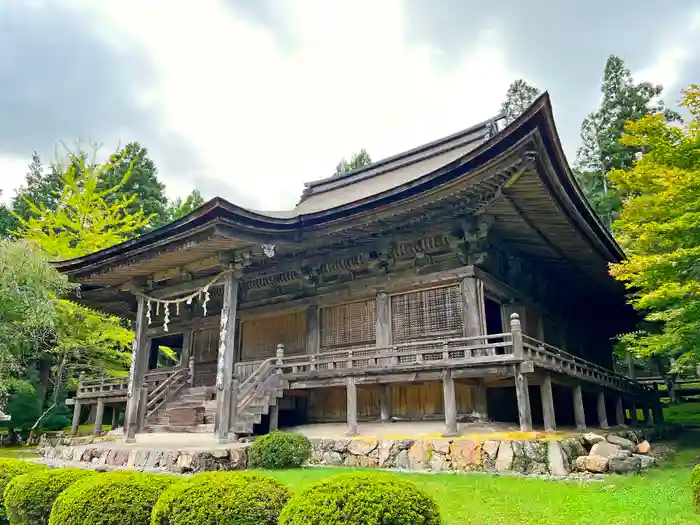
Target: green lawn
{"x":659,"y":497}
{"x":18,"y":452}
{"x":683,"y":414}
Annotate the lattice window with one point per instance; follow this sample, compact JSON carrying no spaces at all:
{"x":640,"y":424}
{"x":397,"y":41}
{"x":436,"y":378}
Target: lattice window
{"x":427,"y":313}
{"x":260,"y":337}
{"x":205,"y":344}
{"x":349,"y":325}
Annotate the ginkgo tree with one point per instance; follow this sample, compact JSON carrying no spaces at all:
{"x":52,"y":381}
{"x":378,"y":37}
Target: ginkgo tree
{"x":659,"y":229}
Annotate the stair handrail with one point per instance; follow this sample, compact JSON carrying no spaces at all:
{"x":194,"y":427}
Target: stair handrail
{"x":159,"y":394}
{"x":251,"y":380}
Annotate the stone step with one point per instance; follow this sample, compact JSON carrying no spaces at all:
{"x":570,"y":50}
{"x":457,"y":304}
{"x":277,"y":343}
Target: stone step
{"x":196,"y":429}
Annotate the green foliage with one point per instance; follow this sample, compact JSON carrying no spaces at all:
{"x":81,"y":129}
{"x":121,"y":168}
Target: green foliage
{"x":362,"y":499}
{"x":179,"y":208}
{"x":222,"y":497}
{"x":601,"y":150}
{"x":29,"y":497}
{"x":695,"y":486}
{"x":29,"y":288}
{"x":40,"y":187}
{"x":357,"y":161}
{"x":519,"y":97}
{"x":278,"y":450}
{"x":115,"y":498}
{"x":134,"y":174}
{"x":86,"y":218}
{"x":9,"y":469}
{"x":659,"y":228}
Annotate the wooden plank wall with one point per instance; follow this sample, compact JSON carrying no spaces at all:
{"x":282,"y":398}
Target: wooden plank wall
{"x":260,"y":336}
{"x":408,"y":401}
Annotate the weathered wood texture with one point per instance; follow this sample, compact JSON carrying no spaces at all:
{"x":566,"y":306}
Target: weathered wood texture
{"x":139,"y":358}
{"x":224,"y":373}
{"x":427,"y":313}
{"x":348,"y":325}
{"x":407,"y":401}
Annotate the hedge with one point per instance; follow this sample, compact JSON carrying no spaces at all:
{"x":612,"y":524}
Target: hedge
{"x":11,"y":468}
{"x":695,"y":486}
{"x":29,"y":497}
{"x":279,"y":450}
{"x":236,"y":498}
{"x":116,"y":498}
{"x":361,"y":499}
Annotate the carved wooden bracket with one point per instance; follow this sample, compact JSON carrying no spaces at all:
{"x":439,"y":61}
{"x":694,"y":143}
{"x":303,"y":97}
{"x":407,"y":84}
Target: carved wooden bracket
{"x":469,"y":239}
{"x":312,"y":276}
{"x":384,"y":259}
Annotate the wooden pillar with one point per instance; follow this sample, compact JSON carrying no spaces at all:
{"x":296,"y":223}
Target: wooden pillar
{"x":481,"y":409}
{"x":385,"y":402}
{"x":633,"y":412}
{"x":224,"y":367}
{"x":313,"y":332}
{"x":548,"y":414}
{"x":274,"y":417}
{"x":139,"y":364}
{"x":383,"y":320}
{"x":473,"y":306}
{"x":187,"y":338}
{"x":76,"y":417}
{"x":450,"y":404}
{"x":619,"y":412}
{"x":631,"y":371}
{"x":99,"y":416}
{"x":645,"y":414}
{"x":115,"y":417}
{"x":602,"y":412}
{"x":351,"y":393}
{"x":579,"y":413}
{"x":522,"y":390}
{"x":657,"y":407}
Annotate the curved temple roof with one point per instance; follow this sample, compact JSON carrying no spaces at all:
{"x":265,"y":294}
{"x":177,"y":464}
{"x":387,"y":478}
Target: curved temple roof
{"x":332,"y":204}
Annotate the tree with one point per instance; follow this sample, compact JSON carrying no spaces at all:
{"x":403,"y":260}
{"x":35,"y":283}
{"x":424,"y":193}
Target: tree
{"x":83,"y":222}
{"x":519,"y":97}
{"x":143,"y":184}
{"x":659,"y":228}
{"x":86,"y":218}
{"x":41,"y":187}
{"x":601,"y":150}
{"x":358,"y":160}
{"x":7,"y":220}
{"x":179,"y":208}
{"x":29,"y":288}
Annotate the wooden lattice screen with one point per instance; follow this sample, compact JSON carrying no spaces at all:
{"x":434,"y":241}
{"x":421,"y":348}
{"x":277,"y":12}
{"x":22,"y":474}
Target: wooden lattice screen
{"x":427,"y":313}
{"x":260,"y":337}
{"x":348,"y":325}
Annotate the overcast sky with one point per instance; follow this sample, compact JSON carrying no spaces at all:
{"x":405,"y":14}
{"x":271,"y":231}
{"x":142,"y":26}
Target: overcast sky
{"x":247,"y":99}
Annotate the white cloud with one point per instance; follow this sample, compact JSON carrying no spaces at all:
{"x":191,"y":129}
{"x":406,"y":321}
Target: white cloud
{"x":668,"y":63}
{"x":264,"y":119}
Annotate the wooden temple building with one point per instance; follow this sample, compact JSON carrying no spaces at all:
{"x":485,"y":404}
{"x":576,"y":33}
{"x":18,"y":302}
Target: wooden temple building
{"x":464,"y":279}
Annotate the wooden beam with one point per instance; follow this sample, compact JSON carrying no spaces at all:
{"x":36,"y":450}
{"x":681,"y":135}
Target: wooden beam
{"x":548,"y":413}
{"x":579,"y":413}
{"x":450,"y":404}
{"x":385,"y":402}
{"x":481,"y":407}
{"x":383,"y":330}
{"x":313,"y":330}
{"x":523,"y":398}
{"x":225,"y":362}
{"x":351,"y":395}
{"x":619,"y":412}
{"x":602,"y":412}
{"x":139,"y":365}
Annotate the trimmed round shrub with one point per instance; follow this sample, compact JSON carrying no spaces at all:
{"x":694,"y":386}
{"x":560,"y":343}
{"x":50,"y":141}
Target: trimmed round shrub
{"x":235,"y":498}
{"x":279,"y":450}
{"x":362,"y":499}
{"x":29,"y":497}
{"x":9,"y":469}
{"x":695,"y":486}
{"x":115,"y":498}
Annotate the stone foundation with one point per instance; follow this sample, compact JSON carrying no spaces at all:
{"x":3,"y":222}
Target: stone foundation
{"x":619,"y":452}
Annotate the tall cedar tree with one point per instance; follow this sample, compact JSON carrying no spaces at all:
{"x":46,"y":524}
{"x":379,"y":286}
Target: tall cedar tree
{"x":143,"y":184}
{"x":519,"y":97}
{"x":659,"y":228}
{"x":357,"y":161}
{"x":601,"y":150}
{"x":179,"y":208}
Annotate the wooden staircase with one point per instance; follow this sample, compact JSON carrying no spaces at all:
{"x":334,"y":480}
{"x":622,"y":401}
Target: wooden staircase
{"x":175,"y":406}
{"x":192,"y":410}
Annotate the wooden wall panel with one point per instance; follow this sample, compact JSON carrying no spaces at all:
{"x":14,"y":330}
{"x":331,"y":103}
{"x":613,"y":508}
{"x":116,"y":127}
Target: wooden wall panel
{"x":348,"y":325}
{"x":205,"y":344}
{"x":408,"y":400}
{"x":260,"y":337}
{"x":427,"y":313}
